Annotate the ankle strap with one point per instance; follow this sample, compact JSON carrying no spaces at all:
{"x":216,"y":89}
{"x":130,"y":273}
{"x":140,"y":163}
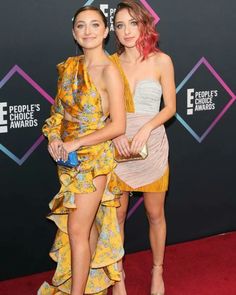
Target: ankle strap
{"x":158,"y":265}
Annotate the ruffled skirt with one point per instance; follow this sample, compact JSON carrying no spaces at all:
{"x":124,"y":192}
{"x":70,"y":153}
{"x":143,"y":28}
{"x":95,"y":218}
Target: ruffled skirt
{"x":109,"y":249}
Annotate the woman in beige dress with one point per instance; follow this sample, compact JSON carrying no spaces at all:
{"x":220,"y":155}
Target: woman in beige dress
{"x":148,"y":75}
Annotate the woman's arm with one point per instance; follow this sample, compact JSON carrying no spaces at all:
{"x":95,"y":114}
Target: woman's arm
{"x":116,"y":124}
{"x":52,"y":129}
{"x":169,"y":96}
{"x":169,"y":93}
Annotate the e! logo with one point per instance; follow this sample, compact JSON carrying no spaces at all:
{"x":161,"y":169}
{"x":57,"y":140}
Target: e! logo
{"x":190,"y":98}
{"x":104,"y":9}
{"x":109,"y":14}
{"x":3,"y":123}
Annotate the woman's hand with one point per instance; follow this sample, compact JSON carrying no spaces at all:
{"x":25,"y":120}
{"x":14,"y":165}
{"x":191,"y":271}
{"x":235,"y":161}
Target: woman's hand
{"x":71,"y":146}
{"x":55,"y":147}
{"x":59,"y":150}
{"x":140,"y":139}
{"x":68,"y":147}
{"x":122,"y":145}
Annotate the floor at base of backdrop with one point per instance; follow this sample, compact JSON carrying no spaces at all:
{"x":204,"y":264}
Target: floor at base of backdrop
{"x":202,"y":267}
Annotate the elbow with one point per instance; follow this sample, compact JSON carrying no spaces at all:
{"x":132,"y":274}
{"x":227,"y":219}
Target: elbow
{"x":172,"y":110}
{"x":119,"y":130}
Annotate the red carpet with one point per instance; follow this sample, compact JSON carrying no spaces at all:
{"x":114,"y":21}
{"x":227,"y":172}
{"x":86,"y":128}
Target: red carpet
{"x":203,"y":267}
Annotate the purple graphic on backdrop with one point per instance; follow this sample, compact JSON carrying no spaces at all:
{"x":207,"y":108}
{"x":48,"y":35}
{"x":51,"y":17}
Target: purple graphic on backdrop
{"x":149,"y":8}
{"x":204,"y":62}
{"x":135,"y":207}
{"x":17,"y":70}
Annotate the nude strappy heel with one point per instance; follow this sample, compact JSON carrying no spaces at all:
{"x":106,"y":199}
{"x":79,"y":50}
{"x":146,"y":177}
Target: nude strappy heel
{"x":160,"y":266}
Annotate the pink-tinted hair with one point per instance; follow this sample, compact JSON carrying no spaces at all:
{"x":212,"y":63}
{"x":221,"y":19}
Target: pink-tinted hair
{"x":147,"y":43}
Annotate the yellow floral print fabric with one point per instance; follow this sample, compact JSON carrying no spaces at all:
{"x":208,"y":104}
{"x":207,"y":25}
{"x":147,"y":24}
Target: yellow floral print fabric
{"x":78,"y":96}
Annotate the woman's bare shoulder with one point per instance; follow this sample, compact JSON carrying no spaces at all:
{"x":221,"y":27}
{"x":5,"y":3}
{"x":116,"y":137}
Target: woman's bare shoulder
{"x":162,"y":58}
{"x":111,"y":71}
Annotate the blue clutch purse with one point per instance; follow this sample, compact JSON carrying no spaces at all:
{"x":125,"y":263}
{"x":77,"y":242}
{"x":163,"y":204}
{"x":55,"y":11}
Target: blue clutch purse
{"x":71,"y":162}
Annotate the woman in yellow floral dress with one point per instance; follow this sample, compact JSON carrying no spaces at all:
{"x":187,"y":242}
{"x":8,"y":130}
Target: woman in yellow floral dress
{"x":88,"y":243}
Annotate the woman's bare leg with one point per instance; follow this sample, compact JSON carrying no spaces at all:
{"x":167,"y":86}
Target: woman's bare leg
{"x":154,"y":204}
{"x":119,"y":288}
{"x":80,"y":222}
{"x":93,"y":238}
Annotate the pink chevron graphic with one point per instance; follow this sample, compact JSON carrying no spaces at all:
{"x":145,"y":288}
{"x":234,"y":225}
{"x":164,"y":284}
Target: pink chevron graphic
{"x":135,"y":207}
{"x":149,"y":8}
{"x":17,"y":70}
{"x":203,"y":61}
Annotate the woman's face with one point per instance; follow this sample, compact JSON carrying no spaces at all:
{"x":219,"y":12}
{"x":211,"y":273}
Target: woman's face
{"x":89,"y":29}
{"x":127,"y":29}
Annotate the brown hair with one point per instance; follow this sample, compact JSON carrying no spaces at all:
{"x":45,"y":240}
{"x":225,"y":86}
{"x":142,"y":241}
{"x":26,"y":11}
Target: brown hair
{"x":89,"y":7}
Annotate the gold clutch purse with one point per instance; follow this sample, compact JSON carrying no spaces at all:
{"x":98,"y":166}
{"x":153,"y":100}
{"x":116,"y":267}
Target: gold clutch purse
{"x":140,"y":156}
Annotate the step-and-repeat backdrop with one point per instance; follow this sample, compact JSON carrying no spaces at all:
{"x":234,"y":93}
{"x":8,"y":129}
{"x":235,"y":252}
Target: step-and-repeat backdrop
{"x":200,"y":38}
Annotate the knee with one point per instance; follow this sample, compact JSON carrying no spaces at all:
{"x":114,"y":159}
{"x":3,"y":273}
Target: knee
{"x":156,"y":217}
{"x":77,"y":233}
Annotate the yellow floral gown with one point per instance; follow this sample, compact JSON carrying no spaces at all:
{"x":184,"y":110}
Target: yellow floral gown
{"x":78,"y":96}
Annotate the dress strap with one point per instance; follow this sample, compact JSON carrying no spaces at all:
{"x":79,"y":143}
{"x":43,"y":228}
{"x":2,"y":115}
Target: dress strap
{"x":129,"y":101}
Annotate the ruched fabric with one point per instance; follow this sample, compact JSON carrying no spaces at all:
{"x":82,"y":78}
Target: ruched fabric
{"x":151,"y":174}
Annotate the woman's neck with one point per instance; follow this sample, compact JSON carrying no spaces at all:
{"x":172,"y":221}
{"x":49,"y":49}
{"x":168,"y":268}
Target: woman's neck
{"x":131,"y":55}
{"x":95,"y":56}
